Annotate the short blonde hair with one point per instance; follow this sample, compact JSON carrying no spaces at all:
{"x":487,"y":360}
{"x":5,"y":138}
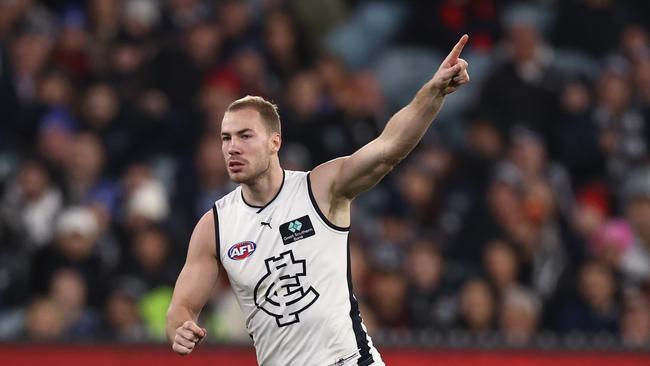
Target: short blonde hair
{"x":267,"y":110}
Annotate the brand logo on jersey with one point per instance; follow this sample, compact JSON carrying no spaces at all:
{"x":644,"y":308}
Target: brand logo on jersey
{"x":241,"y":250}
{"x":279,"y":292}
{"x":294,"y":226}
{"x":297,"y":229}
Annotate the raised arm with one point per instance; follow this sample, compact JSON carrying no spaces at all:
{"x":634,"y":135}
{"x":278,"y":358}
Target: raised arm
{"x":342,"y":179}
{"x":193,"y":288}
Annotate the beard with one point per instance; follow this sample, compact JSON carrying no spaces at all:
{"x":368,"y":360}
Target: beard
{"x":252,"y":177}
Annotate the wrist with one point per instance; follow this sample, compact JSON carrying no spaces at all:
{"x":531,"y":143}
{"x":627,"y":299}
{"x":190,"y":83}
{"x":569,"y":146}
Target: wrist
{"x":429,"y":95}
{"x":431,"y":91}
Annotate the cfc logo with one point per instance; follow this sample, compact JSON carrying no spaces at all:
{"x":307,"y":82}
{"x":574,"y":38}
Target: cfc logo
{"x":280,"y":293}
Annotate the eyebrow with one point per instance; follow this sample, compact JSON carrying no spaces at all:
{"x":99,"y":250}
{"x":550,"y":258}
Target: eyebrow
{"x":238,"y":132}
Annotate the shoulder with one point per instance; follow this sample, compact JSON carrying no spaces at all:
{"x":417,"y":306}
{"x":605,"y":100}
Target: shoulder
{"x":204,"y":237}
{"x":322,"y":177}
{"x":228,"y":199}
{"x":294,"y":174}
{"x":294,"y":179}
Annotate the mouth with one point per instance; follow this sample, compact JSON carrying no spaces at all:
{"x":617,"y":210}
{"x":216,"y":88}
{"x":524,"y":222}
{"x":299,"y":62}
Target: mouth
{"x":235,"y":165}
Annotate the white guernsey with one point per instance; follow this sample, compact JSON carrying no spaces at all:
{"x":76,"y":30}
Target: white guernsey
{"x":290,"y":269}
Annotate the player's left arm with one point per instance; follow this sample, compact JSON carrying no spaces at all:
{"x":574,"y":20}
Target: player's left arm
{"x":342,"y":179}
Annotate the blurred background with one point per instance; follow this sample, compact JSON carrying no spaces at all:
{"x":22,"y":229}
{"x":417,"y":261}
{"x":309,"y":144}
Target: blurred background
{"x":521,"y":220}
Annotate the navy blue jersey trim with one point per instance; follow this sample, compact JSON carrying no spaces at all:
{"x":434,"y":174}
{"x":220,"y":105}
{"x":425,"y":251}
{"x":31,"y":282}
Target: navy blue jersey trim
{"x":365,"y":358}
{"x":320,"y":213}
{"x":248,"y":204}
{"x":216,"y":230}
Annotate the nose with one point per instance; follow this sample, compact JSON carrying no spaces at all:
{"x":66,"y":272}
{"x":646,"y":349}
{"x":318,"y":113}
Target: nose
{"x":233,"y":147}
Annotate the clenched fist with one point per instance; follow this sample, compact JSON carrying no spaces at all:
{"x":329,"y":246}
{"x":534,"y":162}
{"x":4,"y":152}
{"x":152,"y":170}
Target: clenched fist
{"x":187,"y":336}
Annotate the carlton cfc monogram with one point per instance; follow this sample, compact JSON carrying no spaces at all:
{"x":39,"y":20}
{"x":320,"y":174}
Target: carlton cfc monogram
{"x":279,"y":292}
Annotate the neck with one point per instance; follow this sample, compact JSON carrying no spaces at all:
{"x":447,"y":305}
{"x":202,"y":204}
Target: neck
{"x":263,"y":189}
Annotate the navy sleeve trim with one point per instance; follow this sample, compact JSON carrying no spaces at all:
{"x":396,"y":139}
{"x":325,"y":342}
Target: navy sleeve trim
{"x":320,"y":213}
{"x":360,"y":335}
{"x":216,"y":230}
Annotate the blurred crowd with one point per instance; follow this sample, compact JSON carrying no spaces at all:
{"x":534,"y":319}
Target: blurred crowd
{"x":524,"y":213}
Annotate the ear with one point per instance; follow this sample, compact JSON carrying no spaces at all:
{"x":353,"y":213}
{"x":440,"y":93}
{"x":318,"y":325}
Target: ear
{"x":276,"y":142}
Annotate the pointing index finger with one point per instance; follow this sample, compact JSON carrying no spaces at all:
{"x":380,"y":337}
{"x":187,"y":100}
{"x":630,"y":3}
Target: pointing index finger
{"x":452,"y":58}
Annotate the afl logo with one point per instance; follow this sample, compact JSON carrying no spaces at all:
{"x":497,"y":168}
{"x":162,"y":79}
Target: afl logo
{"x":241,"y":250}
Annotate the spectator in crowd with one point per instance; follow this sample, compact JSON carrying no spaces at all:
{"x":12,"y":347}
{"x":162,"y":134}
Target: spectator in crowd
{"x":68,"y":291}
{"x":528,"y":155}
{"x":179,"y":72}
{"x":621,"y":128}
{"x":429,"y":293}
{"x":284,"y":45}
{"x":519,"y":315}
{"x":596,"y":308}
{"x":392,"y":235}
{"x":613,"y":245}
{"x":477,"y":307}
{"x":520,"y":90}
{"x":73,"y":247}
{"x":635,"y":263}
{"x":103,"y":204}
{"x":145,"y":201}
{"x":641,"y":80}
{"x":181,"y":14}
{"x":149,"y":260}
{"x":55,"y":90}
{"x":104,"y":116}
{"x":122,"y":320}
{"x":498,"y":213}
{"x":236,"y":18}
{"x":483,"y":147}
{"x":387,"y":296}
{"x":575,"y":137}
{"x":84,"y":168}
{"x":70,"y":53}
{"x":591,"y":210}
{"x":304,"y":119}
{"x":501,"y":265}
{"x":417,"y":186}
{"x":635,"y":321}
{"x":56,"y":133}
{"x":29,"y":51}
{"x":105,"y":20}
{"x":29,"y":206}
{"x":44,"y":321}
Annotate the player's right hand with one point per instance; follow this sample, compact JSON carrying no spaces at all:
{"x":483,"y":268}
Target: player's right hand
{"x":187,"y":337}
